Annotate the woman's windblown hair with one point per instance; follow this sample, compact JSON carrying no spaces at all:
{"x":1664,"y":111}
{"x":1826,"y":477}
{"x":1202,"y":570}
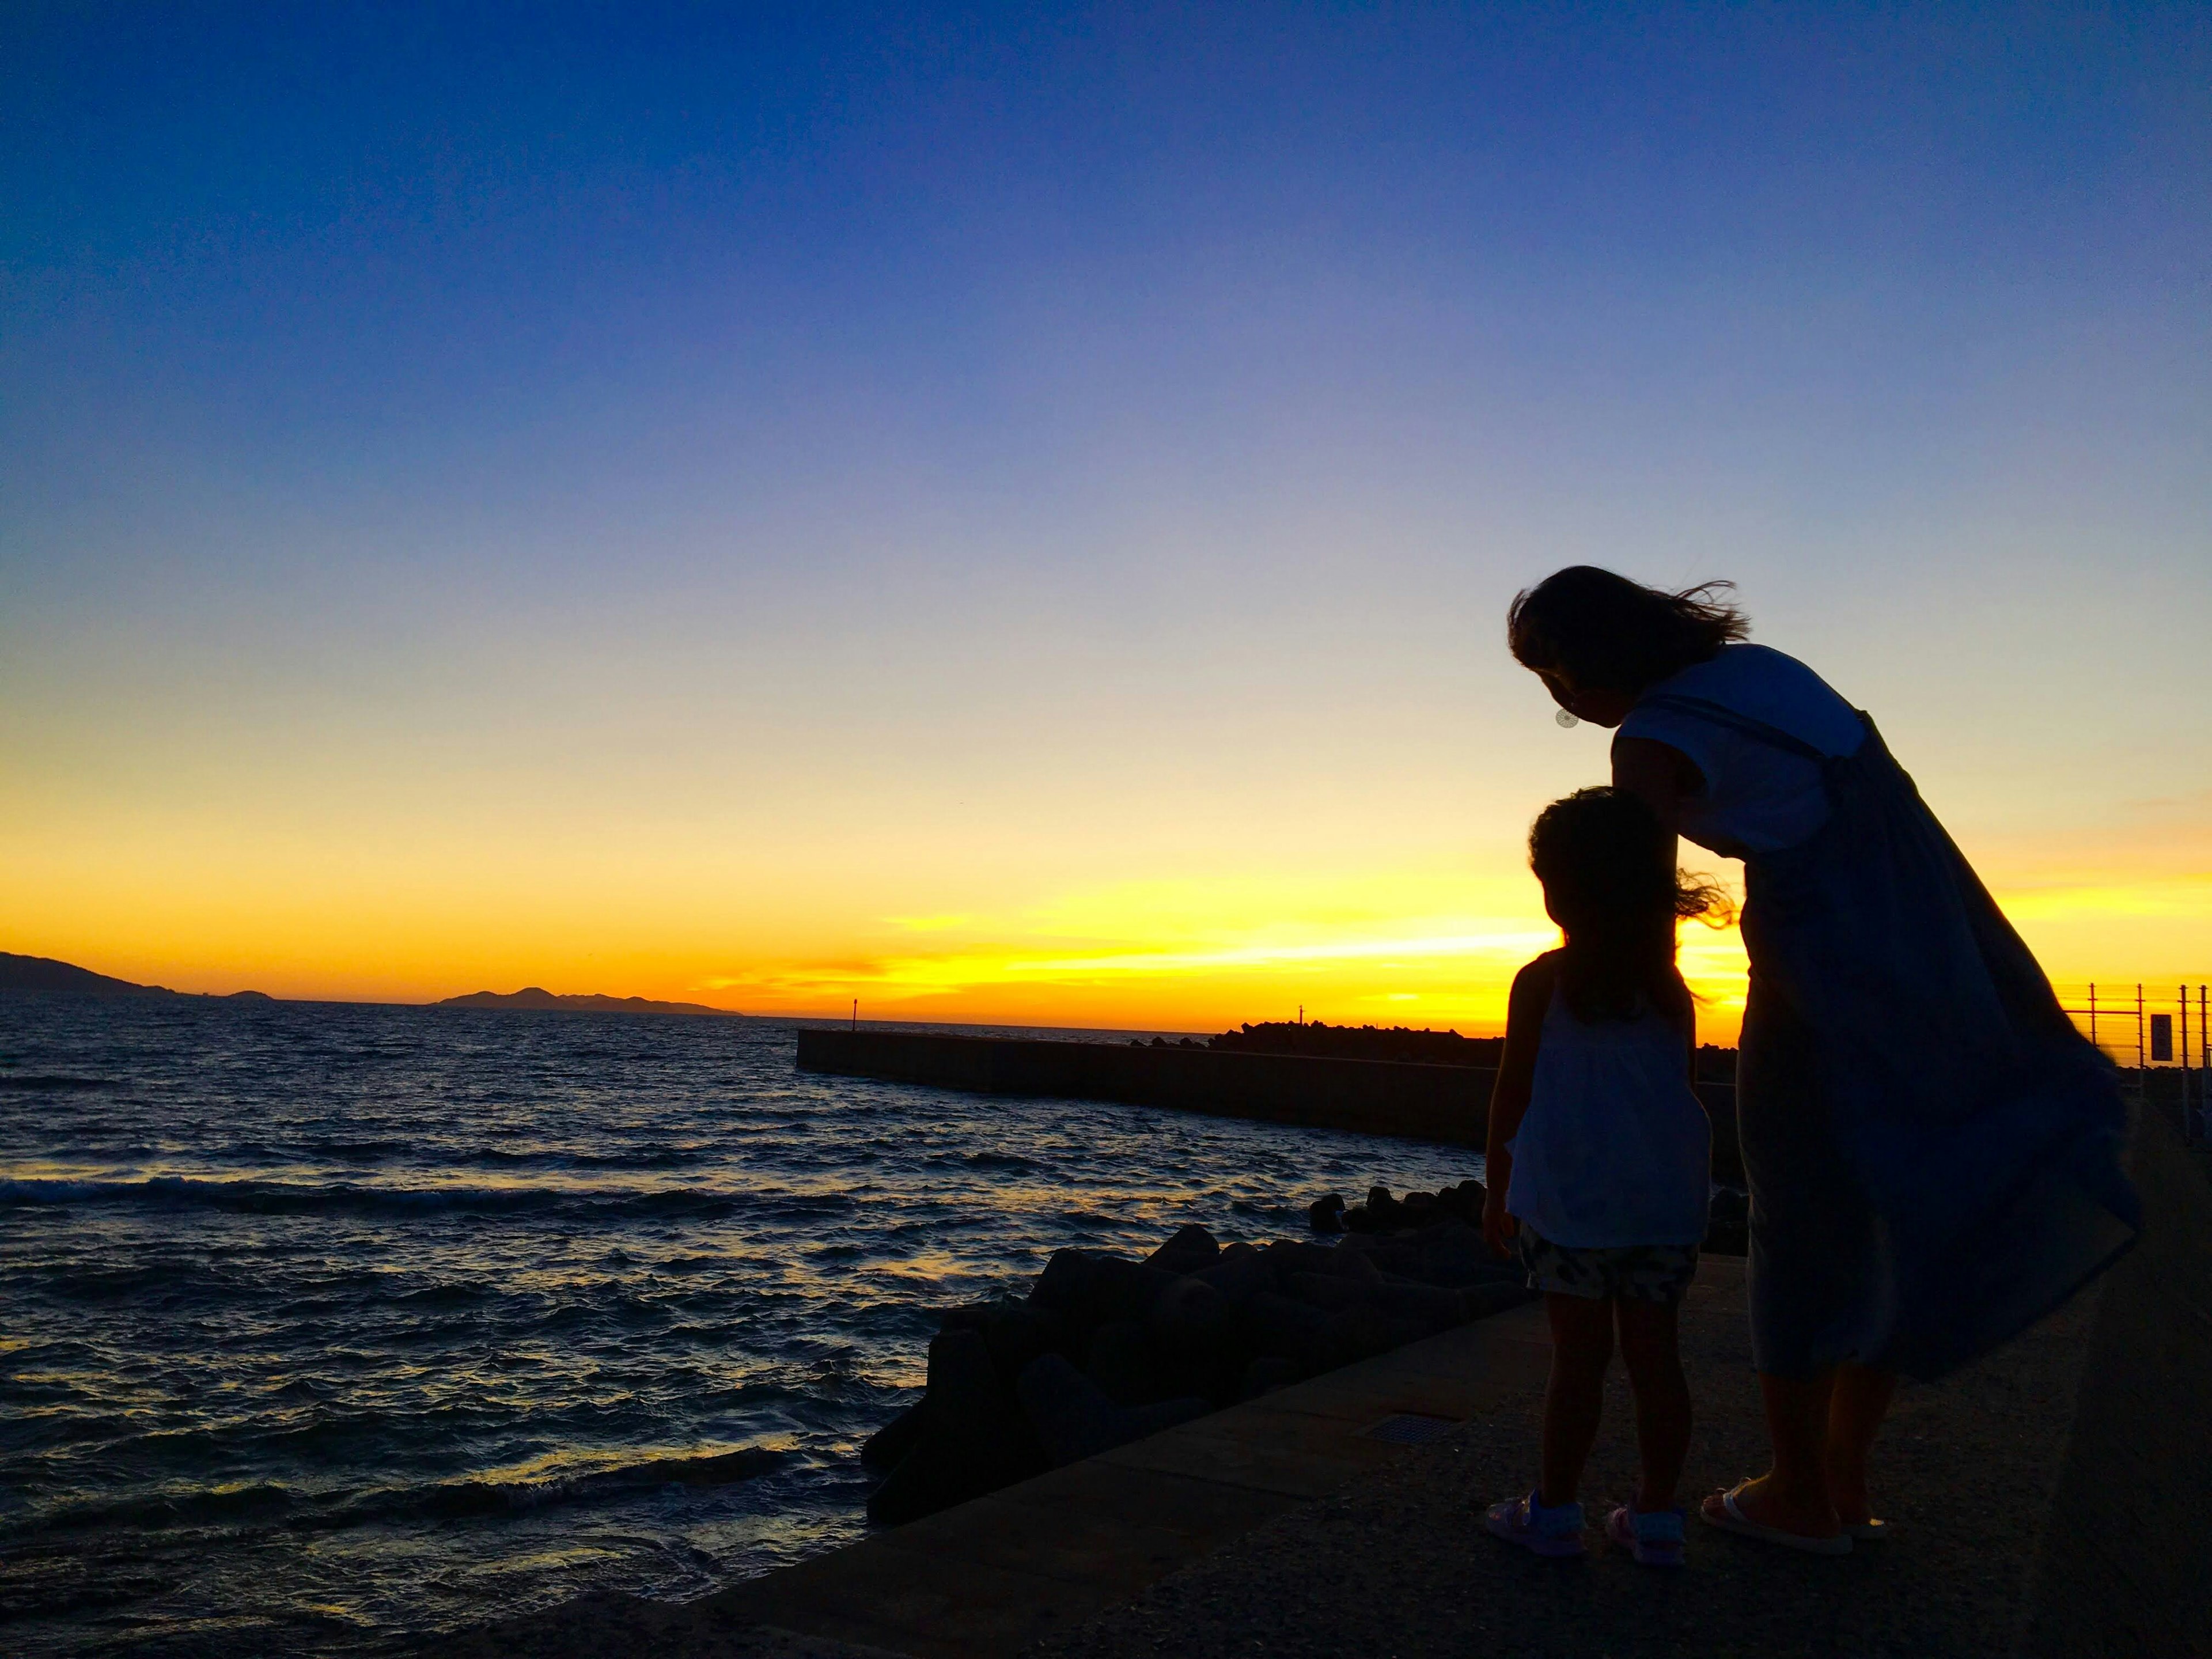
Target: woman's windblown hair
{"x":1606,"y":632}
{"x":1601,"y":855}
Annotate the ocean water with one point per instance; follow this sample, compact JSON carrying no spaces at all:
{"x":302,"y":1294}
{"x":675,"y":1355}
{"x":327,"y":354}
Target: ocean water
{"x":324,"y":1328}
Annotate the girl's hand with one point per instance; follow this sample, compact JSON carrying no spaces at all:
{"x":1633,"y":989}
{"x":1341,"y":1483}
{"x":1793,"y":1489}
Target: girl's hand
{"x":1498,"y":1227}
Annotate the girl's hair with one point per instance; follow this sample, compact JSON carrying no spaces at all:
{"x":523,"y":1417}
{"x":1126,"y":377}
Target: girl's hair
{"x":1601,"y":855}
{"x":1606,"y":632}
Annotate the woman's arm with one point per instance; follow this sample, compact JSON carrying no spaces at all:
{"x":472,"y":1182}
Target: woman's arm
{"x":1509,"y":1099}
{"x":1662,"y":777}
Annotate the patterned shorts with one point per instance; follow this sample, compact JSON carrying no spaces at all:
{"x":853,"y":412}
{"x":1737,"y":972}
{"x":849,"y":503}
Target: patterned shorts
{"x":1631,"y":1273}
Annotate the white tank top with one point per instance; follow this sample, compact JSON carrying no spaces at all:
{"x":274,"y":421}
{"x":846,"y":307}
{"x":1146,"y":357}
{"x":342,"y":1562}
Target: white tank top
{"x":1756,"y":798}
{"x":1615,"y":1149}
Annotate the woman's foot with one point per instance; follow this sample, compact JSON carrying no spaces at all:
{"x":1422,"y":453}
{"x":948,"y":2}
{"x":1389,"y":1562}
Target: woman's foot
{"x":1854,"y":1509}
{"x":1760,"y":1504}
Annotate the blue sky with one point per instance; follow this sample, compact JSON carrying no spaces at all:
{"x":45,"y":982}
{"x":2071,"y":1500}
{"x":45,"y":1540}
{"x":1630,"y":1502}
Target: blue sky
{"x":1004,"y":454}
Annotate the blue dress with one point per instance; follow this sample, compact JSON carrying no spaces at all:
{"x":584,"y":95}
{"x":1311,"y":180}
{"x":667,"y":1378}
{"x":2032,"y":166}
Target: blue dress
{"x":1933,"y":1151}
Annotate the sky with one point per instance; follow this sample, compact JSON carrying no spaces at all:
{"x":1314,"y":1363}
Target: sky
{"x":1007,"y":514}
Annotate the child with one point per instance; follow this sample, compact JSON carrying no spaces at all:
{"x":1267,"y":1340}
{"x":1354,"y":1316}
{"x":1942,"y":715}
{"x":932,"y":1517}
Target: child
{"x":1600,"y":1160}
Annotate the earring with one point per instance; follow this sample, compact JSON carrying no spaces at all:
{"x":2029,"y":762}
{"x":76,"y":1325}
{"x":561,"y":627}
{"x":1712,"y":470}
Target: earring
{"x":1565,"y":718}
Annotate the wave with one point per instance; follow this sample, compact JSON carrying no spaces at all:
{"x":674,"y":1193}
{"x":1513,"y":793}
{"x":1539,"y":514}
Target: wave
{"x":59,"y":1084}
{"x":447,"y":1500}
{"x":250,"y":1197}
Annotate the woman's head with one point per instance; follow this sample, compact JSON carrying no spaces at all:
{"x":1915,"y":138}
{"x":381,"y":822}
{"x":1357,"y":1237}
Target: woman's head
{"x":1609,"y":881}
{"x":1601,"y":640}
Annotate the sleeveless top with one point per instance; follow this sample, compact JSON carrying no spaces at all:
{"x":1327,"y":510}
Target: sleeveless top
{"x":1757,"y":798}
{"x":1614,"y":1150}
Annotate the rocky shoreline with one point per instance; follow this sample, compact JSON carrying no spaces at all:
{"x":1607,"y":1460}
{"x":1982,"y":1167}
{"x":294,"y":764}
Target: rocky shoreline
{"x":1107,"y":1349}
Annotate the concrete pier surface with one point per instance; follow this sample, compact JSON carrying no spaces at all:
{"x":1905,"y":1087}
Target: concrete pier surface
{"x":2050,"y":1500}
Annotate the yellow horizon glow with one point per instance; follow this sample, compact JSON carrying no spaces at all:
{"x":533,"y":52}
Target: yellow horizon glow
{"x":1421,"y":946}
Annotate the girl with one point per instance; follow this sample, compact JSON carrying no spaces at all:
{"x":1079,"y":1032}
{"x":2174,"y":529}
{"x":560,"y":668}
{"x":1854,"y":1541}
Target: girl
{"x":1600,"y":1159}
{"x":1933,"y":1151}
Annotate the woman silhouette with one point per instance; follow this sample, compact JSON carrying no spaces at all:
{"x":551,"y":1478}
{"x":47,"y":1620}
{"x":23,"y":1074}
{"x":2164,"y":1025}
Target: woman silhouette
{"x":1933,"y":1151}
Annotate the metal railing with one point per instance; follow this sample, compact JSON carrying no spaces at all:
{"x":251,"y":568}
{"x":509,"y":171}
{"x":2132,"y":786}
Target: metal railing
{"x":2157,"y":1037}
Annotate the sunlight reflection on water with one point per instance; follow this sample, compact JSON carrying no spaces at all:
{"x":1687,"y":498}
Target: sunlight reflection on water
{"x":328,"y":1323}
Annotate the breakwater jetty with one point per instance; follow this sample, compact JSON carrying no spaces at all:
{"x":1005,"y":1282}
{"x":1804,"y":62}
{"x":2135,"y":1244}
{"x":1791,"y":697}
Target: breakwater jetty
{"x":1403,"y":1099}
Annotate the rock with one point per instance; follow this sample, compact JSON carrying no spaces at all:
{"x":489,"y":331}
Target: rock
{"x":1480,"y":1301}
{"x":1467,"y":1200}
{"x":1241,"y":1273}
{"x":1458,"y":1255}
{"x":1329,"y":1292}
{"x":1073,"y":1417}
{"x":1193,"y":1322}
{"x":1186,"y":1251}
{"x":1090,"y":1288}
{"x":1286,"y":1256}
{"x":973,"y":1439}
{"x":1351,"y":1264}
{"x":1436,"y":1307}
{"x":1124,"y":1364}
{"x":1360,"y":1333}
{"x":1017,"y":1332}
{"x":892,"y":1441}
{"x":1266,"y":1374}
{"x":1326,"y":1214}
{"x":1292,"y":1330}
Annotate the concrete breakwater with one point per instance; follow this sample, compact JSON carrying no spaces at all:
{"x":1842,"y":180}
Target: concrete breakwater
{"x":1408,"y":1101}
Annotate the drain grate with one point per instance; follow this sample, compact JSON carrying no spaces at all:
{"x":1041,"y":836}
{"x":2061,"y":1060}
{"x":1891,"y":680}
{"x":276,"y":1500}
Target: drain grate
{"x":1412,"y":1429}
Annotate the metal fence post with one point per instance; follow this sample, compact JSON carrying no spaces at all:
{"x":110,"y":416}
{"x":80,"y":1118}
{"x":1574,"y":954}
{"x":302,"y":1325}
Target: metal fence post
{"x":2140,"y":1075}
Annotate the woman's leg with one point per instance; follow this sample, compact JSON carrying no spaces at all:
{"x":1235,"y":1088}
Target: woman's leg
{"x":1793,"y":1494}
{"x":1582,"y":1348}
{"x":1650,"y":1348}
{"x":1856,"y":1407}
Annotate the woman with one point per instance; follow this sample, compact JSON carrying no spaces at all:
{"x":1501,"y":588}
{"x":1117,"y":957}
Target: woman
{"x":1932,"y":1150}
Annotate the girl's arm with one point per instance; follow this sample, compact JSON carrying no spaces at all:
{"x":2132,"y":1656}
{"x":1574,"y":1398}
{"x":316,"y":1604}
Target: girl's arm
{"x":1509,"y":1099}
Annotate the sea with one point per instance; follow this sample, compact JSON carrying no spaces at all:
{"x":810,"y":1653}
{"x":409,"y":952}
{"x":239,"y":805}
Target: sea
{"x":329,"y":1328}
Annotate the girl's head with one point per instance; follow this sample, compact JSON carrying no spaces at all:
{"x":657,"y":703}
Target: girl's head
{"x":1599,"y":641}
{"x":1610,"y":882}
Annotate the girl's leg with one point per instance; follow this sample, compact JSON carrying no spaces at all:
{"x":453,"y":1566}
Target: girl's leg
{"x":1856,"y":1405}
{"x":1652,"y":1348}
{"x":1582,"y":1348}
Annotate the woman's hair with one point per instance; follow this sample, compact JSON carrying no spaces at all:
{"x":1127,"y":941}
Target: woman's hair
{"x":1601,"y":855}
{"x":1606,"y":632}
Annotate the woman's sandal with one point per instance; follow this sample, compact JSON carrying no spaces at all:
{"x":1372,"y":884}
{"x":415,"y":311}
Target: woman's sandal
{"x":1731,"y":1518}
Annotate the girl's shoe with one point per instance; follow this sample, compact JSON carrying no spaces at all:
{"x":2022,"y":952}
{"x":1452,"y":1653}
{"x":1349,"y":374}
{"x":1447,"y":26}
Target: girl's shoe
{"x":1654,"y":1539}
{"x":1555,"y":1532}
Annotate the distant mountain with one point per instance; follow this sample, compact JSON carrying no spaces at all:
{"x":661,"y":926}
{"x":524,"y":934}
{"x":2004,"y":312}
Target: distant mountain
{"x":533,"y":997}
{"x":44,"y":976}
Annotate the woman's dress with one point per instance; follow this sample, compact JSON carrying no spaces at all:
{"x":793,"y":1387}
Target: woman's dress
{"x":1933,"y":1151}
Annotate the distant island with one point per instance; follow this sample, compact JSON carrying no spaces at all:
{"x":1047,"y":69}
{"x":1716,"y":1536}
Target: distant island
{"x":532,"y":997}
{"x":22,"y":976}
{"x":44,"y":976}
